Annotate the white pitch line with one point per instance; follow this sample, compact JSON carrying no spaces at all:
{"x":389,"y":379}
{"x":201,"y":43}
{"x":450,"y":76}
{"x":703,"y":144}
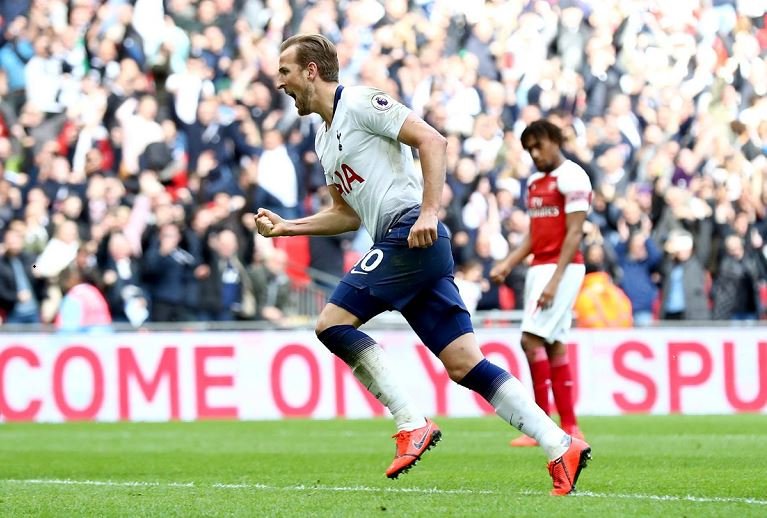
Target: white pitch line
{"x":301,"y":487}
{"x":667,"y":498}
{"x":369,"y":489}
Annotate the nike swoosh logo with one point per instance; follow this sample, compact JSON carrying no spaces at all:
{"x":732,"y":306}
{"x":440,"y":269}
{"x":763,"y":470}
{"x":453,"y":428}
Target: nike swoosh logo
{"x":358,"y":272}
{"x":418,"y":445}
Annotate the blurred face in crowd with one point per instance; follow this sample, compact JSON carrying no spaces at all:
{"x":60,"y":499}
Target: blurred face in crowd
{"x":734,"y":246}
{"x":637,"y":248}
{"x":202,"y":220}
{"x":119,"y":247}
{"x":276,"y":261}
{"x":258,"y":95}
{"x":206,"y":12}
{"x":632,"y":213}
{"x":466,"y":170}
{"x":72,"y":207}
{"x":595,"y":255}
{"x":740,"y":225}
{"x":67,"y":232}
{"x":680,"y":246}
{"x":215,"y":38}
{"x":60,"y":170}
{"x":272,"y":139}
{"x":227,"y":244}
{"x":170,"y":234}
{"x":206,"y":113}
{"x":147,"y":108}
{"x":519,"y":221}
{"x":93,"y":161}
{"x":13,"y":241}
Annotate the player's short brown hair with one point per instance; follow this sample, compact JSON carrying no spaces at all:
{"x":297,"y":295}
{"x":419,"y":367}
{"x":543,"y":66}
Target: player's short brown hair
{"x":317,"y":49}
{"x":542,"y":129}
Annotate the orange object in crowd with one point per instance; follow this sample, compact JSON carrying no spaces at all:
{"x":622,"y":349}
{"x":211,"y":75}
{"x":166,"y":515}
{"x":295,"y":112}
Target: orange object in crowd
{"x":602,"y":304}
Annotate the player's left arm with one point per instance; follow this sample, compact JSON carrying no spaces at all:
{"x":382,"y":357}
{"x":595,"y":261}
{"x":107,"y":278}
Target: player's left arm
{"x":573,"y":237}
{"x":431,"y":146}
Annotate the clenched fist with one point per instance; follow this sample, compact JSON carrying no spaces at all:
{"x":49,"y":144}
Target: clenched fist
{"x":269,"y":224}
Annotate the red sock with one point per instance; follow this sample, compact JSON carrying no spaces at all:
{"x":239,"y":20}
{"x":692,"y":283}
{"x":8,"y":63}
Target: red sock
{"x":541,"y":374}
{"x":562,"y":387}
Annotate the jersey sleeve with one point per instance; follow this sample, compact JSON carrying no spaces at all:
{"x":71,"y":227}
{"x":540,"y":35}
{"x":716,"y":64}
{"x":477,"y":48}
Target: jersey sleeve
{"x":378,"y":113}
{"x":575,"y":185}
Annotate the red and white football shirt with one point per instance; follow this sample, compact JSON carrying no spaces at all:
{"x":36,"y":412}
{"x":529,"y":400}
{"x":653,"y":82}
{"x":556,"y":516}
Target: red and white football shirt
{"x":550,"y":197}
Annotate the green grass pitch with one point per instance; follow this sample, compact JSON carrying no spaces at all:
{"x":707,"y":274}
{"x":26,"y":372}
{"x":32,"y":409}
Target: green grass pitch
{"x":642,"y":466}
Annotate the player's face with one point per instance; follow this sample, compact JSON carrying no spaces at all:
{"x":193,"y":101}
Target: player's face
{"x":544,"y":152}
{"x":291,"y":78}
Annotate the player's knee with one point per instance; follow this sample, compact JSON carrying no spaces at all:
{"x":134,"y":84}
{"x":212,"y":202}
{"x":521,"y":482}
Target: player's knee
{"x":461,"y":356}
{"x":325,"y":321}
{"x":458,"y":371}
{"x":556,"y":350}
{"x":531,"y":344}
{"x":322,"y":324}
{"x":333,"y":315}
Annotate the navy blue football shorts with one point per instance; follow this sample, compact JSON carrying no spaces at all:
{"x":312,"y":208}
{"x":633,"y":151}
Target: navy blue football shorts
{"x":417,"y":282}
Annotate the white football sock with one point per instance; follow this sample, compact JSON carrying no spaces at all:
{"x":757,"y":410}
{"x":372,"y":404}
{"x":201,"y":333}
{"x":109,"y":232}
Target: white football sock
{"x":372,"y":369}
{"x":514,"y":404}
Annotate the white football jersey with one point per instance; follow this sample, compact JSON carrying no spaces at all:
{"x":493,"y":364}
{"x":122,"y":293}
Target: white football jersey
{"x":362,"y":158}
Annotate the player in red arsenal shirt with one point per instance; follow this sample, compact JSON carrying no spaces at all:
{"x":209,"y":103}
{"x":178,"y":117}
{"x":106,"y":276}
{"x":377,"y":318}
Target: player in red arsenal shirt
{"x":558,"y":199}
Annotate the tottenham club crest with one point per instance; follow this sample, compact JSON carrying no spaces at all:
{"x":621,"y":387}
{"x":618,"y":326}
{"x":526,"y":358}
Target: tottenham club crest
{"x":381,"y":102}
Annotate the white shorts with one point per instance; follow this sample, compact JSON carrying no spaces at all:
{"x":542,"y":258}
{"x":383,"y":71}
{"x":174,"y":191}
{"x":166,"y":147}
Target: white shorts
{"x":551,"y":324}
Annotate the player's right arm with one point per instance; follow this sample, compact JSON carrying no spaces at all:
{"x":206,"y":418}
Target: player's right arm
{"x":336,"y":219}
{"x":500,"y":271}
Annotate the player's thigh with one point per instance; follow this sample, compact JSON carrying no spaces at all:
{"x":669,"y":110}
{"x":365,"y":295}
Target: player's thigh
{"x":350,"y":305}
{"x":536,"y":279}
{"x":438,"y":315}
{"x":564,"y":300}
{"x":395,"y":274}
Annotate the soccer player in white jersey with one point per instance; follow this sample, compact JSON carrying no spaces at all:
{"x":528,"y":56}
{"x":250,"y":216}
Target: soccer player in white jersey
{"x":558,"y":199}
{"x":365,"y":150}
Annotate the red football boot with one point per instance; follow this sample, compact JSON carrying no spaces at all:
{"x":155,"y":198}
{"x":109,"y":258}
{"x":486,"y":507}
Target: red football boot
{"x":411,"y":445}
{"x":565,"y":470}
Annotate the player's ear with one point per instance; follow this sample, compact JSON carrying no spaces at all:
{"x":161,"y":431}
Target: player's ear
{"x":312,"y":71}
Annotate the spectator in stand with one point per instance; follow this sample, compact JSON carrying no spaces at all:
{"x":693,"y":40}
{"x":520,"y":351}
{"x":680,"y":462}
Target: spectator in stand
{"x":122,"y":283}
{"x":137,"y":118}
{"x":639,"y":259}
{"x":20,"y":291}
{"x":274,"y":301}
{"x":83,"y":308}
{"x":169,"y":273}
{"x":685,"y":294}
{"x":227,"y":292}
{"x":735,"y":289}
{"x":216,"y":145}
{"x":278,"y":176}
{"x":471,"y":283}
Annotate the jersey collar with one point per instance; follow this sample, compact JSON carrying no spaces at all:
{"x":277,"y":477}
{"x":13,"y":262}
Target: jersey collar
{"x":339,"y":90}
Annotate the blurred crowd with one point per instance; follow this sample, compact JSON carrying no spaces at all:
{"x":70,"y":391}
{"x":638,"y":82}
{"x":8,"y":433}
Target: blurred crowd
{"x":137,"y":138}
